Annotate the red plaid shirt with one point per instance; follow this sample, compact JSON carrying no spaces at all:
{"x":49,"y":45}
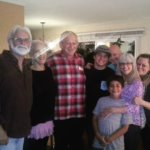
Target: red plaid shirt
{"x":69,"y":75}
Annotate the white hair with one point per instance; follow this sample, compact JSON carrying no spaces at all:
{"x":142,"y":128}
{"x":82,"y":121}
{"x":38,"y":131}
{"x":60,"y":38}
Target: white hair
{"x":67,"y":34}
{"x":34,"y":48}
{"x":16,"y":29}
{"x":129,"y":58}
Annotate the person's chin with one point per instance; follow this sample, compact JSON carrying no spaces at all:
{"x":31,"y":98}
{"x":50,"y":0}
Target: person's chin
{"x":21,"y":53}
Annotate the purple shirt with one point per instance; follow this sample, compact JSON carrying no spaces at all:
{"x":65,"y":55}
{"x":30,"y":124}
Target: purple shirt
{"x":129,"y":92}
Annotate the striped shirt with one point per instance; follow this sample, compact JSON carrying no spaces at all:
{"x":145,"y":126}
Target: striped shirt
{"x":69,"y":75}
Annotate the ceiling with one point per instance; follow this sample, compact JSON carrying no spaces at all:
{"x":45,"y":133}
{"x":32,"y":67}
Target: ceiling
{"x":60,"y":13}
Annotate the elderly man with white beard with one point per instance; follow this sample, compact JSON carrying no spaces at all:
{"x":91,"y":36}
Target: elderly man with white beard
{"x":15,"y":90}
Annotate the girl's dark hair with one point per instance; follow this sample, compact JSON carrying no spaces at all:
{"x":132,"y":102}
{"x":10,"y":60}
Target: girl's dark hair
{"x":116,"y":78}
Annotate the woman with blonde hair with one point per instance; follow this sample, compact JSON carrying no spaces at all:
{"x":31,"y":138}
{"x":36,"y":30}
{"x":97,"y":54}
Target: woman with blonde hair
{"x":133,"y":88}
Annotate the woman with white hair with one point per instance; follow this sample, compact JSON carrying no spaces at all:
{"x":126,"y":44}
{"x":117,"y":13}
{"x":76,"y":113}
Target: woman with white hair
{"x":133,"y":88}
{"x":44,"y":90}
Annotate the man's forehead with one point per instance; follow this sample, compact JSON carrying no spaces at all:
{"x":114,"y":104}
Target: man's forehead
{"x":115,"y":48}
{"x":21,"y":34}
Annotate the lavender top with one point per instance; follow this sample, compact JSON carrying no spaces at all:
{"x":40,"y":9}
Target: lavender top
{"x":129,"y":92}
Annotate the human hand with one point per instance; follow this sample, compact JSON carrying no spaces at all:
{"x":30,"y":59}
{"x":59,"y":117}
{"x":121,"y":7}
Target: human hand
{"x":106,"y":113}
{"x":3,"y":136}
{"x":101,"y":139}
{"x":138,"y":101}
{"x":88,"y":65}
{"x":107,"y":139}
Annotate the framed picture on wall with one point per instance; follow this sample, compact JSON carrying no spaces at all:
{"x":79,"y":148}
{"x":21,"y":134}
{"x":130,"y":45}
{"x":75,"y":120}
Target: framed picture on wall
{"x":131,"y":39}
{"x":125,"y":46}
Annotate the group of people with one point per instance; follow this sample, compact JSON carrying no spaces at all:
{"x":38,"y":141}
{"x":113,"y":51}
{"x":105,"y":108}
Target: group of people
{"x":42,"y":95}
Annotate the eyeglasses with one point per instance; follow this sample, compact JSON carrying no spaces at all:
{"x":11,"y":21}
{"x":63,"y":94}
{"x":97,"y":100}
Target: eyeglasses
{"x":20,"y":40}
{"x":127,"y":64}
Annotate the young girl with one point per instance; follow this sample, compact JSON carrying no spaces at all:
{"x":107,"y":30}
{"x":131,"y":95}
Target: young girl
{"x":109,"y":131}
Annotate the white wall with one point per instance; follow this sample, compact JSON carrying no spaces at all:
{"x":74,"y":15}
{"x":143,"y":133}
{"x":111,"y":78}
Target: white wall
{"x":144,"y":45}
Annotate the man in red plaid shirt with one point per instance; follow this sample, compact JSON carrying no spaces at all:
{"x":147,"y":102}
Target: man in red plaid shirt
{"x":68,"y":70}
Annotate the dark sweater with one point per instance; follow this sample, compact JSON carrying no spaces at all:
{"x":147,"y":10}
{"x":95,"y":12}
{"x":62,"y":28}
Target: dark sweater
{"x":147,"y":98}
{"x":15,"y":96}
{"x":44,"y":91}
{"x":96,"y":86}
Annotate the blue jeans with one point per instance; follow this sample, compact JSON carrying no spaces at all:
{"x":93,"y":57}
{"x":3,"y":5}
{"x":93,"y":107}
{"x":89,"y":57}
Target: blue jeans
{"x":13,"y":144}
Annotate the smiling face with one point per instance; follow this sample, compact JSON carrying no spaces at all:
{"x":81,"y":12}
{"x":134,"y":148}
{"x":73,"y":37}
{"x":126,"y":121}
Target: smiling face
{"x":143,"y":66}
{"x":39,"y":56}
{"x":69,"y":44}
{"x":101,"y":60}
{"x":41,"y":60}
{"x":115,"y":89}
{"x":126,"y":68}
{"x":115,"y":54}
{"x":20,"y":44}
{"x":127,"y":65}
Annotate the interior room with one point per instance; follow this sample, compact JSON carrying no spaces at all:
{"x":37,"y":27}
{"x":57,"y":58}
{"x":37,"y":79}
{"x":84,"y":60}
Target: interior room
{"x":98,"y":20}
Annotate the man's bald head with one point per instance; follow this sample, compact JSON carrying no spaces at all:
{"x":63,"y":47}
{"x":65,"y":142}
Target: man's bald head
{"x":115,"y":54}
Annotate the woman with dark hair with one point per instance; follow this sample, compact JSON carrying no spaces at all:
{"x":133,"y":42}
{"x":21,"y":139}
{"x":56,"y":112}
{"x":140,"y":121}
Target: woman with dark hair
{"x":143,"y":67}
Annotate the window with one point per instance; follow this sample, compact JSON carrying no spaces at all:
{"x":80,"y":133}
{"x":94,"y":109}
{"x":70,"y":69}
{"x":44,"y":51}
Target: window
{"x":131,"y":39}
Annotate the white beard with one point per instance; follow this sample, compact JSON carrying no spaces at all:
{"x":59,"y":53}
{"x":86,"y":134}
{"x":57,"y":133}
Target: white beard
{"x":20,"y":50}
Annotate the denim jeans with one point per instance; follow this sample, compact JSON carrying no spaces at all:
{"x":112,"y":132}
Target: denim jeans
{"x":13,"y":144}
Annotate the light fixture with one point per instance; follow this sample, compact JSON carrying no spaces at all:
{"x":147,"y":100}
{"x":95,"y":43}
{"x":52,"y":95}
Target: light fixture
{"x":43,"y":34}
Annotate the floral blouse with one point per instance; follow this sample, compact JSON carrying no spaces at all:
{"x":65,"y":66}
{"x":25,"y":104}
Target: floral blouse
{"x":130,"y":91}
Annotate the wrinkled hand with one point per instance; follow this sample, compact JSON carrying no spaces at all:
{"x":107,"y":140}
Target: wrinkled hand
{"x":42,"y":130}
{"x":3,"y":136}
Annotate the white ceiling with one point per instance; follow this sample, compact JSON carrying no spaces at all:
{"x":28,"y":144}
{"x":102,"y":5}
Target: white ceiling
{"x":57,"y":13}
